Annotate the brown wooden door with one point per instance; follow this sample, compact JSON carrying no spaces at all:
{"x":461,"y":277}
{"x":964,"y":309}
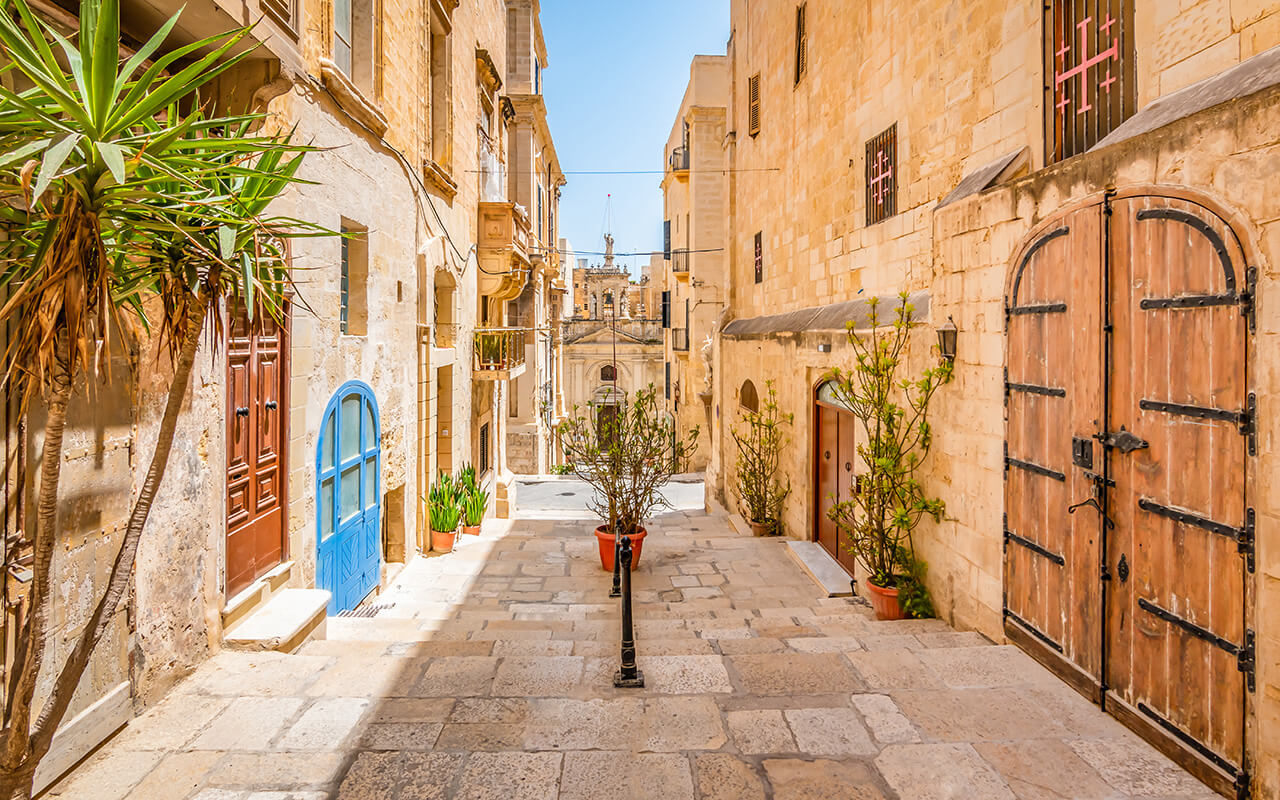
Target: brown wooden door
{"x":1054,"y":398}
{"x":257,"y":375}
{"x":835,"y":455}
{"x":1175,"y":624}
{"x":1126,"y":523}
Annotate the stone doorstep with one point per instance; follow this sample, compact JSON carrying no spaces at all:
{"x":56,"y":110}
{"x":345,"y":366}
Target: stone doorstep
{"x":287,"y":621}
{"x":818,"y":564}
{"x":256,"y":595}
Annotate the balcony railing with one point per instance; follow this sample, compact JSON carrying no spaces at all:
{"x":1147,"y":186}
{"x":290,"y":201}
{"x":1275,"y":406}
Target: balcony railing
{"x":679,"y":160}
{"x":679,"y":260}
{"x":499,"y":352}
{"x":680,"y":339}
{"x":446,"y":334}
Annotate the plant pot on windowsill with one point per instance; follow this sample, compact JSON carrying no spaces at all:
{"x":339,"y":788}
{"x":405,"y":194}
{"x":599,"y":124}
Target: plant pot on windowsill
{"x":604,"y":537}
{"x":442,"y":542}
{"x":885,"y":601}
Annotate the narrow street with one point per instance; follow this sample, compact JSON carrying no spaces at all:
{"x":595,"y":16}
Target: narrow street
{"x":487,"y":673}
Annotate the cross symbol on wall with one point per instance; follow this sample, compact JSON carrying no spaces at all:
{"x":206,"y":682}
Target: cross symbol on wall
{"x":883,"y":172}
{"x":1082,"y":69}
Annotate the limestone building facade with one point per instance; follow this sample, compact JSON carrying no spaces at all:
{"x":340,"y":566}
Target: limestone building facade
{"x":877,"y":148}
{"x":694,"y":189}
{"x":396,"y":361}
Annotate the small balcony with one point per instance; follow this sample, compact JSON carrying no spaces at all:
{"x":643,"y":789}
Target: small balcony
{"x":680,"y":340}
{"x":503,"y":250}
{"x":680,"y":263}
{"x":499,"y":354}
{"x":679,"y":160}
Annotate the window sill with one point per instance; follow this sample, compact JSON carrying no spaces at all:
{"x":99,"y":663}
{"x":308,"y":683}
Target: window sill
{"x":440,"y":178}
{"x":351,"y":99}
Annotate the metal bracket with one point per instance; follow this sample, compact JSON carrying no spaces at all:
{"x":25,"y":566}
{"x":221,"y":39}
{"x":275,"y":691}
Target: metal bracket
{"x":1249,"y":423}
{"x":1245,"y":541}
{"x":1249,"y":298}
{"x":1246,"y":660}
{"x":1122,"y":440}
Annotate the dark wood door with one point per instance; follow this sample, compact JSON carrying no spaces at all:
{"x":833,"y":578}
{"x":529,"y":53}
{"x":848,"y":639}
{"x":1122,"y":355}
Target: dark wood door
{"x":1176,"y":629}
{"x":1127,"y":535}
{"x":257,"y":376}
{"x":1053,"y":396}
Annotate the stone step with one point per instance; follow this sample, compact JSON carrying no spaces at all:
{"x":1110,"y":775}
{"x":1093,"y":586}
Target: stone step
{"x":818,"y":564}
{"x":288,"y":620}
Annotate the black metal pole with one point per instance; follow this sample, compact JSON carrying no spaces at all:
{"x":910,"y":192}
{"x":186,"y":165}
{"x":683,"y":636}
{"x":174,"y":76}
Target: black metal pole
{"x":628,"y":675}
{"x":616,"y":590}
{"x":615,"y":454}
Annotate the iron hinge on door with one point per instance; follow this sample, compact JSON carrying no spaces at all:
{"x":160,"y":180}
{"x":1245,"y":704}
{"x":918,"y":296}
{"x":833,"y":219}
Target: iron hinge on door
{"x":1242,"y":785}
{"x":1249,"y":423}
{"x":1246,"y":659}
{"x":1245,"y":538}
{"x":1249,"y":298}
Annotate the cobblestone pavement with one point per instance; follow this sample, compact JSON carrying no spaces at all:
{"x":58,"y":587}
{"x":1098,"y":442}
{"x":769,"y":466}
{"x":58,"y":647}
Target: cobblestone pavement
{"x":486,"y":673}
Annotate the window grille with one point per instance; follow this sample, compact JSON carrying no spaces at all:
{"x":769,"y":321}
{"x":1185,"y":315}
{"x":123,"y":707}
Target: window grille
{"x":1089,"y":69}
{"x":759,"y":256}
{"x":882,"y":176}
{"x":753,"y":104}
{"x":484,"y":448}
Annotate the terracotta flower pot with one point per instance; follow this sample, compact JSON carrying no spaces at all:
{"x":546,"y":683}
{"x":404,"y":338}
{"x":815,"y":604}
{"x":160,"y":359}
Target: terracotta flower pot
{"x":471,"y":530}
{"x":605,"y":539}
{"x":760,"y":528}
{"x":884,"y":601}
{"x":442,"y":542}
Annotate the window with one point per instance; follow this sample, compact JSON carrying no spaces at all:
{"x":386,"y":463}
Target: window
{"x":666,"y":309}
{"x":759,"y":256}
{"x":666,"y":240}
{"x":1089,"y":66}
{"x":353,"y":306}
{"x":753,"y":104}
{"x":882,"y":176}
{"x":484,"y":448}
{"x":666,"y":392}
{"x":441,"y":107}
{"x":608,"y":373}
{"x":539,"y":212}
{"x":354,"y":41}
{"x":537,"y":76}
{"x":801,"y":43}
{"x":748,"y":398}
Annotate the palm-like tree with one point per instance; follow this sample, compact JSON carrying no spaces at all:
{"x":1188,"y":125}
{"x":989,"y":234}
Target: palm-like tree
{"x":118,"y":193}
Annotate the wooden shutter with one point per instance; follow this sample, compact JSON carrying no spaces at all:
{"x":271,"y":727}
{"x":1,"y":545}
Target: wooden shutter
{"x":666,"y":309}
{"x":753,"y":104}
{"x":666,"y":240}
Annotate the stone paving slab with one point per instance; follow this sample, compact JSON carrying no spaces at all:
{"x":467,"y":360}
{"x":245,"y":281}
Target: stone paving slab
{"x":491,"y":676}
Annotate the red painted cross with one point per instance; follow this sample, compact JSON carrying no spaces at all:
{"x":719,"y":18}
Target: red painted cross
{"x":1082,"y":69}
{"x":880,"y":185}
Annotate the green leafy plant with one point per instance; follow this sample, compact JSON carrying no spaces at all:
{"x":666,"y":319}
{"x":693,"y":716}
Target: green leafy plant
{"x":760,"y":438}
{"x":561,"y":469}
{"x":474,"y":505}
{"x":443,"y":507}
{"x":896,"y":437}
{"x":913,"y":594}
{"x":626,"y":453}
{"x":466,"y":479}
{"x":117,"y":189}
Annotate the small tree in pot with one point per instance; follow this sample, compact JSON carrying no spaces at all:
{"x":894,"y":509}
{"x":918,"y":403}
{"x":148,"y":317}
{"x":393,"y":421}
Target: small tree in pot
{"x":759,"y":442}
{"x":890,"y":502}
{"x":625,"y":452}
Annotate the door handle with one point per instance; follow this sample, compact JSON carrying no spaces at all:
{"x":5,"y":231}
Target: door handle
{"x":271,"y":404}
{"x":1092,"y":501}
{"x":1123,"y":440}
{"x":1122,"y":569}
{"x":242,"y":411}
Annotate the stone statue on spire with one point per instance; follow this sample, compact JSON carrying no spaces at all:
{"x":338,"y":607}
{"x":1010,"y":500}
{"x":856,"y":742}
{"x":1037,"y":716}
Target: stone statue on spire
{"x":608,"y":251}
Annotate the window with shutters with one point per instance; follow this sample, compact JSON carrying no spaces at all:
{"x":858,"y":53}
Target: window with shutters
{"x":666,"y":309}
{"x":666,"y":392}
{"x":441,"y":105}
{"x":1089,"y":65}
{"x":882,"y":176}
{"x":802,"y":43}
{"x":355,"y":43}
{"x":666,"y":240}
{"x":753,"y":104}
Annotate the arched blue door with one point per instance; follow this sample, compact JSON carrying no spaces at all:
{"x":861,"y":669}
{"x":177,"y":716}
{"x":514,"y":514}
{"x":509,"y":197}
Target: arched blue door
{"x":348,"y":497}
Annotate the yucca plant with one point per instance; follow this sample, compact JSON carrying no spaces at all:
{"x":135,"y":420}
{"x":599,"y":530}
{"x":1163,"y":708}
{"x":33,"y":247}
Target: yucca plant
{"x":474,"y":505}
{"x":467,"y":479}
{"x":443,"y":507}
{"x":116,"y":187}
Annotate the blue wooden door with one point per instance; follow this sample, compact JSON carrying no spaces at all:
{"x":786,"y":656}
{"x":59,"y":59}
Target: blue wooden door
{"x":348,"y":497}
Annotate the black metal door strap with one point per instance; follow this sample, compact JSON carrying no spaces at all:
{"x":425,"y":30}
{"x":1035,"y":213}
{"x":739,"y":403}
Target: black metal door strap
{"x":1036,"y":468}
{"x":1035,"y":548}
{"x":1042,"y":308}
{"x":1244,"y":537}
{"x":1031,"y":629}
{"x":1241,"y":778}
{"x":1031,"y":388}
{"x":1244,"y":653}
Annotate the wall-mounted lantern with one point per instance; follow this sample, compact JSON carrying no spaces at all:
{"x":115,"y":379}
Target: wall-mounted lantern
{"x":947,"y":340}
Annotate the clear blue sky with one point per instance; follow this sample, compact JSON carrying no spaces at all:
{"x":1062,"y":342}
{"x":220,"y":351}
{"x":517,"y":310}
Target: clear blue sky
{"x":618,"y":71}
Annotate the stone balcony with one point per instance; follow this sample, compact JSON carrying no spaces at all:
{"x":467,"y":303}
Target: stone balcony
{"x":503,"y":250}
{"x":499,"y":354}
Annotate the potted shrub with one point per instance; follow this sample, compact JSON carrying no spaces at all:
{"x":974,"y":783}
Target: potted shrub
{"x":890,"y":503}
{"x":626,"y":453}
{"x":474,"y":504}
{"x":759,"y":440}
{"x":444,"y":511}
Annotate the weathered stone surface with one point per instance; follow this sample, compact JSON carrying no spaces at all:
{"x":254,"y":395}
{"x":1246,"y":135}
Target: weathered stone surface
{"x":521,"y":676}
{"x":400,"y":736}
{"x":673,"y":724}
{"x":611,"y":773}
{"x":278,"y":770}
{"x":972,"y":715}
{"x":792,"y":673}
{"x":760,"y":732}
{"x":684,"y":674}
{"x":830,"y":732}
{"x":797,"y":779}
{"x":249,"y":723}
{"x":893,"y":669}
{"x":176,"y":776}
{"x":581,"y":724}
{"x":1044,"y":769}
{"x":886,"y":722}
{"x":325,"y":725}
{"x":460,"y":676}
{"x":940,"y":772}
{"x":980,"y":667}
{"x":510,"y":776}
{"x":1134,"y":768}
{"x":723,"y":777}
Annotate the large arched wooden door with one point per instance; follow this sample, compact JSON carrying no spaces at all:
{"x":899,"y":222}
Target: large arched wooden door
{"x":1127,"y":534}
{"x":835,"y":455}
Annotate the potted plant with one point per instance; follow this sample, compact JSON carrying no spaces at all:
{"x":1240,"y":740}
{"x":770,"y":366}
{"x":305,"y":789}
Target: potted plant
{"x":626,"y":452}
{"x":474,"y":504}
{"x":444,"y":512}
{"x":759,"y":440}
{"x":880,"y":517}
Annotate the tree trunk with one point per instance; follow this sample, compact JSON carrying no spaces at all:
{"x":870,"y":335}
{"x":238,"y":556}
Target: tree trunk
{"x":122,"y":570}
{"x":15,"y":770}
